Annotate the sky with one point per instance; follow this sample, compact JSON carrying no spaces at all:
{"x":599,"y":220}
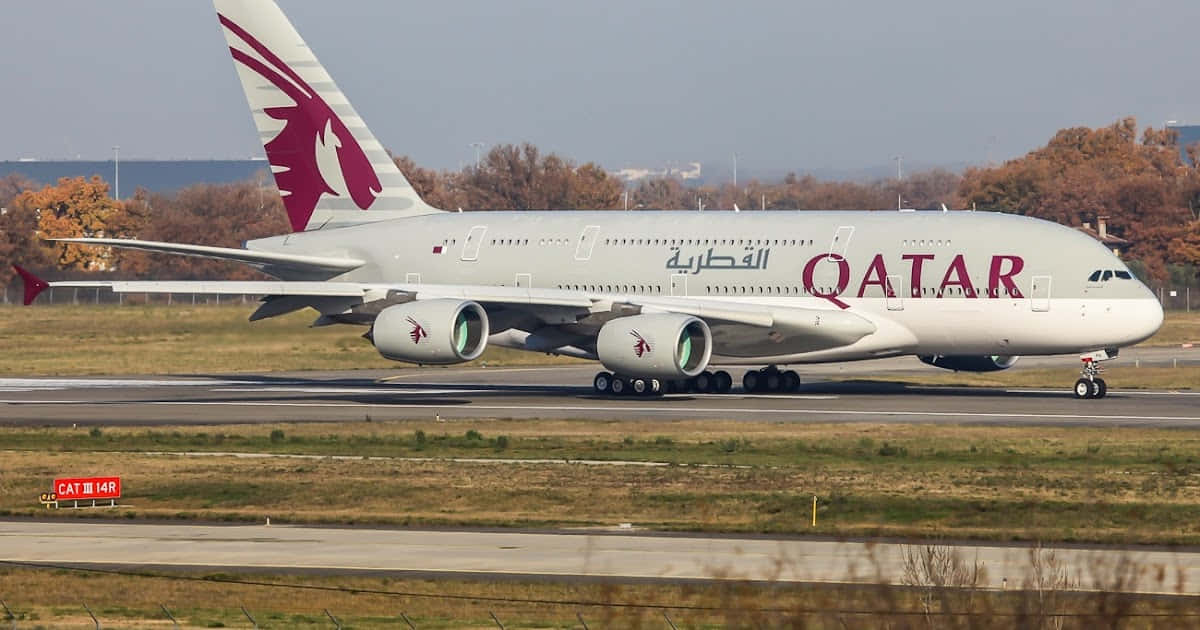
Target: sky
{"x":786,"y":85}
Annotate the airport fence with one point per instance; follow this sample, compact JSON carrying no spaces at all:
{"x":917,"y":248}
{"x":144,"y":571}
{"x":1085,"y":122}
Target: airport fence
{"x":1176,"y":298}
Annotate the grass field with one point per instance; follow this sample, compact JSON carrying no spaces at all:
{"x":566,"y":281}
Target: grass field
{"x":54,"y":599}
{"x":184,"y":339}
{"x":1040,"y":483}
{"x":161,"y":339}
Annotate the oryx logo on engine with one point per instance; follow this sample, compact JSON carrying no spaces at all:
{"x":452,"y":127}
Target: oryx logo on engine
{"x":418,"y":331}
{"x":641,"y":346}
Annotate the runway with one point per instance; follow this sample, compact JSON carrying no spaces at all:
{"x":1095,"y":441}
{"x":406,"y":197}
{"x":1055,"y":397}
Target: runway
{"x":556,"y":555}
{"x":564,"y":392}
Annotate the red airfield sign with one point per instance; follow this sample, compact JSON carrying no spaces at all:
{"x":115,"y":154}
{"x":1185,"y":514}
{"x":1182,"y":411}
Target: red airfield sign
{"x":85,"y":488}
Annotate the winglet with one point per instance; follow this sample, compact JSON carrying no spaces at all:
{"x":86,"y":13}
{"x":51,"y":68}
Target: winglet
{"x":33,"y":284}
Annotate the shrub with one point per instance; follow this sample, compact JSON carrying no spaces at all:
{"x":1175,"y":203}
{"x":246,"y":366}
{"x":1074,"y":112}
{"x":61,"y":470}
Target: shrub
{"x":277,"y":436}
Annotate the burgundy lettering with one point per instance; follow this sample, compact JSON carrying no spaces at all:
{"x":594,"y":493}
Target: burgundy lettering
{"x":918,"y":260}
{"x":958,"y":267}
{"x":876,"y":275}
{"x":997,"y":277}
{"x":842,"y":283}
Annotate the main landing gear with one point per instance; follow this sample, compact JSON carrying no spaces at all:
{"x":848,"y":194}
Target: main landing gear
{"x":767,"y":380}
{"x":1090,"y":385}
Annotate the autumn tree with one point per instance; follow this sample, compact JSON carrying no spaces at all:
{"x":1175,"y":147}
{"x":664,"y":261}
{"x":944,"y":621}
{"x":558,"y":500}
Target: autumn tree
{"x":75,"y":207}
{"x":1148,"y":194}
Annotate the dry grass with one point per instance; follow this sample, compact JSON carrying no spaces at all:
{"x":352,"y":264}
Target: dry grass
{"x":160,"y":339}
{"x":1045,"y":483}
{"x":1178,"y":327}
{"x":49,"y":598}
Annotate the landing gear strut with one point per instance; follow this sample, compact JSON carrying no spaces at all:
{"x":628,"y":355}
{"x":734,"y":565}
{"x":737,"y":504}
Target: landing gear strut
{"x":1090,"y":385}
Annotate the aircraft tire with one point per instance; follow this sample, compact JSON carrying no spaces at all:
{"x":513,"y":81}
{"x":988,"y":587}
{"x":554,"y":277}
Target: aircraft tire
{"x":1101,"y":388}
{"x":703,"y":382}
{"x":773,"y":381}
{"x":602,"y":383}
{"x":639,"y":386}
{"x":1085,"y":389}
{"x":791,"y":381}
{"x":723,"y":382}
{"x":619,"y":386}
{"x":751,"y":381}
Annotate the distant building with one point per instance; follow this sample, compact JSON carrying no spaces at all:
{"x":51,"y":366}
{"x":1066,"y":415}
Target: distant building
{"x":1188,"y":135}
{"x":630,"y":175}
{"x":1117,"y":244}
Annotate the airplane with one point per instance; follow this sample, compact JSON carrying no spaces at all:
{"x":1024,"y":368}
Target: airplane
{"x":659,"y":298}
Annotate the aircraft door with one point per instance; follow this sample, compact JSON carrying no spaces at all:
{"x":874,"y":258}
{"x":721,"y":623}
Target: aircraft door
{"x":1039,"y":294}
{"x":524,"y":281}
{"x":587,"y":242}
{"x":841,"y":241}
{"x":678,"y":283}
{"x":474,"y":240}
{"x":895,"y":293}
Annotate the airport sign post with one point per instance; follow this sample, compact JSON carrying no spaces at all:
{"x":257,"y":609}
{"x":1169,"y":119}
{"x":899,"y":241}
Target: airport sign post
{"x":84,"y":489}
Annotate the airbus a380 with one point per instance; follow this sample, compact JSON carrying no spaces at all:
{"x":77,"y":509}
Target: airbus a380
{"x":657,"y":297}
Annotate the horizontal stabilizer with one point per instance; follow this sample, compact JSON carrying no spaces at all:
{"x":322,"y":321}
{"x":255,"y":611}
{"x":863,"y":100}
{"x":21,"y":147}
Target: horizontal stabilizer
{"x":223,"y":287}
{"x":287,"y":265}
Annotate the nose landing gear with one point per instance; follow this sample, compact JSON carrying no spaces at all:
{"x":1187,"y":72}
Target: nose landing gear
{"x":1090,"y":385}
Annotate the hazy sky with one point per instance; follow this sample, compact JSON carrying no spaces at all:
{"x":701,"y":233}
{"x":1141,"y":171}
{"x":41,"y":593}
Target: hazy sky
{"x":787,"y":84}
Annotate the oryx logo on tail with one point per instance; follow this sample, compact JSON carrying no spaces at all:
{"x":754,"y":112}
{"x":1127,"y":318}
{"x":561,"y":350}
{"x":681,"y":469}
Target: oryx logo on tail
{"x":641,"y":346}
{"x":314,"y":154}
{"x":418,"y":331}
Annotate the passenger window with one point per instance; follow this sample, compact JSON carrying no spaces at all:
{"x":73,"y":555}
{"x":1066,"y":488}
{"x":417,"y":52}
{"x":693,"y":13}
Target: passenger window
{"x":1107,"y":276}
{"x":1095,"y":277}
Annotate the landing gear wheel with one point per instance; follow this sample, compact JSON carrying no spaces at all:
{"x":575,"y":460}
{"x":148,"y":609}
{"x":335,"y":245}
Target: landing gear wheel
{"x":703,"y":382}
{"x":751,"y":381}
{"x":773,"y":381}
{"x":1101,"y":388}
{"x":722,"y":382}
{"x":1085,"y":388}
{"x":639,"y":386}
{"x":619,"y":386}
{"x":791,"y":381}
{"x":602,"y":383}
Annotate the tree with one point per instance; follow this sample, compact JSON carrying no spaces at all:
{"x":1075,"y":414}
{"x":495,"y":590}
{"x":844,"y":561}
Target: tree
{"x":75,"y":207}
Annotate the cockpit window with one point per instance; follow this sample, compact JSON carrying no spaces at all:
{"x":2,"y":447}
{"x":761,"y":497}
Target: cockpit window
{"x":1107,"y":275}
{"x":1124,"y":275}
{"x":1095,"y":277}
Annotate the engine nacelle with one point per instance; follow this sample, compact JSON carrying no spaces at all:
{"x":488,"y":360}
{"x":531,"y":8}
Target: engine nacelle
{"x":663,"y":345}
{"x":970,"y":364}
{"x":434,"y":331}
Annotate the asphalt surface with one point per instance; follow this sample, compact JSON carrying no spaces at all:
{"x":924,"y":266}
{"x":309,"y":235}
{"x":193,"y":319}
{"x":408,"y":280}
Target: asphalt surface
{"x":559,"y":555}
{"x":565,"y":392}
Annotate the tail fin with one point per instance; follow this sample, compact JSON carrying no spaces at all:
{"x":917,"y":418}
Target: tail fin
{"x":327,"y":165}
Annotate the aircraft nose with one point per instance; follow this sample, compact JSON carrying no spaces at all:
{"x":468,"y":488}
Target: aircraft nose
{"x":1145,"y":319}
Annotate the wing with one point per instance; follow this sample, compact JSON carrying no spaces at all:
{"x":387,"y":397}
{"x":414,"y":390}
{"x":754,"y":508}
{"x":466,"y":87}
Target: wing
{"x":534,"y":319}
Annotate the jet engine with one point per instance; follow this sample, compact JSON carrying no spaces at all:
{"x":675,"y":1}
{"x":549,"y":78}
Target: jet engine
{"x":433,"y":331}
{"x":667,"y":346}
{"x":993,"y":363}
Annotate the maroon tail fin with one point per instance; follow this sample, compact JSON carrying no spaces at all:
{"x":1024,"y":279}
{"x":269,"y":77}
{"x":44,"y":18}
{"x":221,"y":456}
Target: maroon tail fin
{"x":33,"y":284}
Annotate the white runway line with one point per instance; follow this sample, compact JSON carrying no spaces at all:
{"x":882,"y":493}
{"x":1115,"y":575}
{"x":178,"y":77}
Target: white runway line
{"x":40,"y":384}
{"x":710,"y":411}
{"x":346,"y":390}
